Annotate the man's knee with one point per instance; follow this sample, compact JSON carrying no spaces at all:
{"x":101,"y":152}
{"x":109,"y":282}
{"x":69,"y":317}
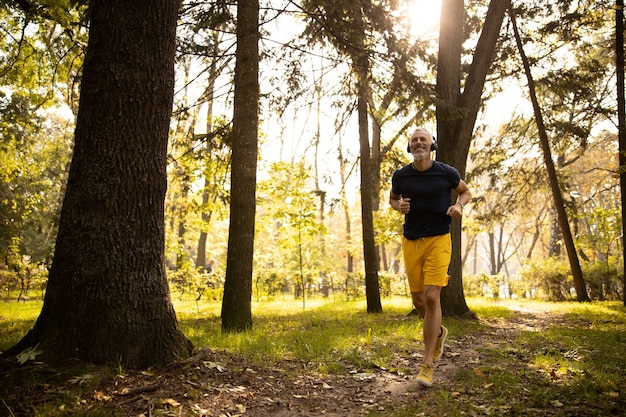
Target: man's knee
{"x":432,"y":297}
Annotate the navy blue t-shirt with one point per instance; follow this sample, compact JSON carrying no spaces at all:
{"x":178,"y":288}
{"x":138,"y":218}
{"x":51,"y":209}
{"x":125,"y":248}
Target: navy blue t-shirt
{"x":429,"y":192}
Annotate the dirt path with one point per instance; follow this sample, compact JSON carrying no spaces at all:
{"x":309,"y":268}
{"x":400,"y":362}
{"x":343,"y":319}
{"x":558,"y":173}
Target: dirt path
{"x":215,"y":383}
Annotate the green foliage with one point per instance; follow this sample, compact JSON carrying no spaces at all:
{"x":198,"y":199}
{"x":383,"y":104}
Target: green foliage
{"x":290,"y":232}
{"x":26,"y":274}
{"x":549,"y":278}
{"x":34,"y":152}
{"x":192,"y":282}
{"x":198,"y":196}
{"x":388,"y":225}
{"x":483,"y":285}
{"x":605,"y":278}
{"x":572,"y":56}
{"x":40,"y":63}
{"x":43,"y":52}
{"x":599,"y":224}
{"x":563,"y":365}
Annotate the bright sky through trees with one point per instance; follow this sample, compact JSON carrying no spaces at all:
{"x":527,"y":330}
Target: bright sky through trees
{"x":424,"y":18}
{"x":293,"y":134}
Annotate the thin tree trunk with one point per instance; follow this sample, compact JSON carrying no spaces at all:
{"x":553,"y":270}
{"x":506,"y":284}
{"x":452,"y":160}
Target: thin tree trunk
{"x":492,"y":253}
{"x":621,"y":121}
{"x":577,"y":273}
{"x":376,"y":160}
{"x":346,"y":210}
{"x":237,"y":301}
{"x":372,"y":288}
{"x":209,"y":94}
{"x":360,"y":65}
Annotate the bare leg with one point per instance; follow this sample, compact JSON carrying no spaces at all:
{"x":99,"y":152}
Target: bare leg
{"x":419,"y":302}
{"x":432,"y":320}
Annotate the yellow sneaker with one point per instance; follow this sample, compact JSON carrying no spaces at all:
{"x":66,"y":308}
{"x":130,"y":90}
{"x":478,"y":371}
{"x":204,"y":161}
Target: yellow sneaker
{"x":425,"y":377}
{"x":440,"y":341}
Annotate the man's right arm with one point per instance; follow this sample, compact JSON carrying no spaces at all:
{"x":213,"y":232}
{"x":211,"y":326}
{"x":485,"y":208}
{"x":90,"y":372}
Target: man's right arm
{"x":395,"y":200}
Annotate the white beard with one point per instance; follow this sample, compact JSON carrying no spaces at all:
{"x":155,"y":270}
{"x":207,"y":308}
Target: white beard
{"x":419,"y":156}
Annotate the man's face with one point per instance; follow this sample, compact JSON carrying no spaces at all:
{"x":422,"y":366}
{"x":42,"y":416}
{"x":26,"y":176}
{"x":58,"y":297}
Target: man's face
{"x":420,"y":144}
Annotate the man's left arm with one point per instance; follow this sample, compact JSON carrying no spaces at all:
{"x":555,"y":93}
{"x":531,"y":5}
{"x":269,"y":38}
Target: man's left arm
{"x":464,"y":196}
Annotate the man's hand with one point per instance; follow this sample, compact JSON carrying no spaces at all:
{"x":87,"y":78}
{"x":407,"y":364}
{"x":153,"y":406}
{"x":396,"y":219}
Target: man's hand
{"x":404,"y":206}
{"x":455,"y":211}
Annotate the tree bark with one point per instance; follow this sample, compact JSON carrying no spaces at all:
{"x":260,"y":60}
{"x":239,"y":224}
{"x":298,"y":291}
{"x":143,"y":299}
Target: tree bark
{"x":237,"y":302}
{"x":457,"y":112}
{"x":360,"y":63}
{"x":621,"y":121}
{"x":372,"y":289}
{"x":107,"y":298}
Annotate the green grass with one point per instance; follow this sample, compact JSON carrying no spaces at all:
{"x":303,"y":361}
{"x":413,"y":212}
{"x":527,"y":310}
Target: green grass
{"x":324,"y":333}
{"x":576,"y":366}
{"x":16,"y":318}
{"x":577,"y":363}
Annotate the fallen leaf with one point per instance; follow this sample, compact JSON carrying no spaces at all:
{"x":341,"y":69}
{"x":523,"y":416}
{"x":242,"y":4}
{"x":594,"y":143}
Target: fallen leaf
{"x":81,"y":379}
{"x":214,"y":365}
{"x":201,"y":411}
{"x":100,"y":396}
{"x":171,"y":402}
{"x":29,"y":354}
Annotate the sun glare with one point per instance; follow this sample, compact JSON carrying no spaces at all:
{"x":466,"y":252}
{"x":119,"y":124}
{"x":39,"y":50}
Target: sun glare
{"x":424,"y":16}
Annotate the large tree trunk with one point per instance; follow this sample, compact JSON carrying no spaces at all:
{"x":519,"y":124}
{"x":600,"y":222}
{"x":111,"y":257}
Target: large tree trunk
{"x":237,"y":302}
{"x":107,"y":298}
{"x":457,"y":112}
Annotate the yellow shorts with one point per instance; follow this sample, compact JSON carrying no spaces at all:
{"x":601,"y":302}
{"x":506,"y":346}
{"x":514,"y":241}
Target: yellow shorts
{"x":427,"y":260}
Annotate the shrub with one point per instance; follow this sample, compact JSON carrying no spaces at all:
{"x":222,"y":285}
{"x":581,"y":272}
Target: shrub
{"x":604,"y":279}
{"x":484,"y":285}
{"x":548,"y":278}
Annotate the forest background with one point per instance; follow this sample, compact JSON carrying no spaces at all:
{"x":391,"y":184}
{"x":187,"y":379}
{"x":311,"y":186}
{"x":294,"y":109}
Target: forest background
{"x":308,"y":174}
